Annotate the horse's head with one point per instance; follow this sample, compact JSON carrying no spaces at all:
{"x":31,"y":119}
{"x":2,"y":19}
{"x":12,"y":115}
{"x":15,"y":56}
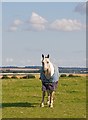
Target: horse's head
{"x":47,"y":66}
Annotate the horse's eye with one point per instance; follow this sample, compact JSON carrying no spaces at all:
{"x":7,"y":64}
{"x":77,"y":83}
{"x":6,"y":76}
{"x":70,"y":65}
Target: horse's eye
{"x":47,"y":62}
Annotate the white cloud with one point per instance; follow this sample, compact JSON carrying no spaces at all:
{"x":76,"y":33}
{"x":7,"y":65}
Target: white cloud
{"x":37,"y":22}
{"x":66,"y":25}
{"x":15,"y":25}
{"x":17,"y":22}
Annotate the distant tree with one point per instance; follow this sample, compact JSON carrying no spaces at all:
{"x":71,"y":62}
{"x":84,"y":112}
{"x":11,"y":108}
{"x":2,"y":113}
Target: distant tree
{"x":70,"y":75}
{"x":5,"y":77}
{"x":63,"y":75}
{"x":28,"y":76}
{"x":14,"y":77}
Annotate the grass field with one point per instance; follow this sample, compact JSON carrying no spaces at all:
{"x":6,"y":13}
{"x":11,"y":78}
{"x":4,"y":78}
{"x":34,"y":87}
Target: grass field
{"x":21,"y":99}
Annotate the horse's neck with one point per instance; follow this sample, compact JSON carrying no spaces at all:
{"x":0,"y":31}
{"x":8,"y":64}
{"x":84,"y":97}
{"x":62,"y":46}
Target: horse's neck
{"x":52,"y":68}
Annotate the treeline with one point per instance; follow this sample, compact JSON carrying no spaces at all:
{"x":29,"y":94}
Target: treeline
{"x":36,"y":69}
{"x":20,"y":71}
{"x":70,"y":75}
{"x":32,"y":76}
{"x":73,"y":70}
{"x":16,"y":77}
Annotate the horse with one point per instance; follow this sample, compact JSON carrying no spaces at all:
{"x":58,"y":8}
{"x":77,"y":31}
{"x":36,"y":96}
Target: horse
{"x":49,"y":76}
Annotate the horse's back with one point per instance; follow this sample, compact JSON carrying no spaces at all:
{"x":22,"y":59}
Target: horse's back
{"x":55,"y":76}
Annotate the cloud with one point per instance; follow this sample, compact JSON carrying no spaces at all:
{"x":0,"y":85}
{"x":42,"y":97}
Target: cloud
{"x":15,"y":25}
{"x":81,"y":8}
{"x":66,"y":25}
{"x":17,"y":22}
{"x":37,"y":22}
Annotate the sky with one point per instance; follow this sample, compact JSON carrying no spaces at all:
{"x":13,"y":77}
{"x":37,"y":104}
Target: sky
{"x":30,"y":29}
{"x":43,"y":0}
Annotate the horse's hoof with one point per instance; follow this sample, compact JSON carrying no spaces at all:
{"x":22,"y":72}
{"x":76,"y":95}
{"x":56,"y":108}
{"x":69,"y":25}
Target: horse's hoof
{"x":51,"y":106}
{"x":42,"y":105}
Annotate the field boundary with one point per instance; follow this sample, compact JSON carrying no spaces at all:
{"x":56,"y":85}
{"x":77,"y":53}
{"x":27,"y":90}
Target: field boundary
{"x":19,"y":75}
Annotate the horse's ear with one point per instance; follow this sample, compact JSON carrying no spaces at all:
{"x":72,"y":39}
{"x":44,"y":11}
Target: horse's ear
{"x":48,"y":56}
{"x":42,"y":56}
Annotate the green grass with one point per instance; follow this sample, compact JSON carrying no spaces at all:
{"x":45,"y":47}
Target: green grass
{"x":21,"y":99}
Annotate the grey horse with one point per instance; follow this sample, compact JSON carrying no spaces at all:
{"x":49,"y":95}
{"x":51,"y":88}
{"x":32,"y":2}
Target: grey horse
{"x":49,"y":76}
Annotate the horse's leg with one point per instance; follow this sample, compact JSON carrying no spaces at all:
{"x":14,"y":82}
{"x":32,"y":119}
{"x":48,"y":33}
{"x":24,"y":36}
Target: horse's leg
{"x":51,"y":98}
{"x":43,"y":95}
{"x":48,"y":97}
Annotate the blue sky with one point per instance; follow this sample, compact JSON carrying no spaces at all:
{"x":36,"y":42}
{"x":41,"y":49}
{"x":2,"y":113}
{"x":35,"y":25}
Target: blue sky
{"x":43,"y":0}
{"x":30,"y":29}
